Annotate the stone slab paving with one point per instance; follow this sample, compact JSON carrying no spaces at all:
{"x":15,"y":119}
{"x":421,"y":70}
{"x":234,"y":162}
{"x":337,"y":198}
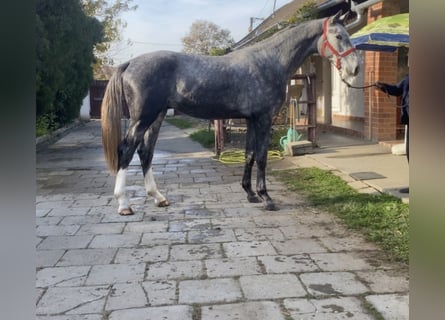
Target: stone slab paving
{"x":210,"y":255}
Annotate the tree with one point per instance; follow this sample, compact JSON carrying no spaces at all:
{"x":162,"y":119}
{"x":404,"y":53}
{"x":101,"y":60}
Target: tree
{"x":108,"y":13}
{"x":205,"y":37}
{"x":307,"y":11}
{"x":65,"y":37}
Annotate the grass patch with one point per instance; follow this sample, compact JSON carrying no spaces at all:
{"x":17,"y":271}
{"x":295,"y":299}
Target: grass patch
{"x":383,"y":219}
{"x":205,"y":137}
{"x":368,"y":306}
{"x":181,"y":123}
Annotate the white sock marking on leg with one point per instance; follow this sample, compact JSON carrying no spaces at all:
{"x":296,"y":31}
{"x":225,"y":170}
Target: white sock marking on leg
{"x":151,"y":187}
{"x":119,"y":190}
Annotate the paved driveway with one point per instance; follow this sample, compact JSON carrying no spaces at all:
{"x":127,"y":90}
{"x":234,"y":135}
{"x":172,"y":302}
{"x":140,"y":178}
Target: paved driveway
{"x":209,"y":255}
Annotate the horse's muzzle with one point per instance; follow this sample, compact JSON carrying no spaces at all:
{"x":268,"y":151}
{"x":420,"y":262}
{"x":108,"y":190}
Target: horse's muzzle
{"x":355,"y":70}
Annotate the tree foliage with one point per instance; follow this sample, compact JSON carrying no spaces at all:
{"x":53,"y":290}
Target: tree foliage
{"x":65,"y":37}
{"x":307,"y":11}
{"x":108,"y":12}
{"x":206,"y":38}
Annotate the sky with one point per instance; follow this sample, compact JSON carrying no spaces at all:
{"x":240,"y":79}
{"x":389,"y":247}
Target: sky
{"x":160,"y":24}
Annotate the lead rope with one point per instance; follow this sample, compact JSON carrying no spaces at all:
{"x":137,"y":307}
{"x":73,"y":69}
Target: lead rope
{"x":350,"y":85}
{"x":358,"y":87}
{"x":364,"y":87}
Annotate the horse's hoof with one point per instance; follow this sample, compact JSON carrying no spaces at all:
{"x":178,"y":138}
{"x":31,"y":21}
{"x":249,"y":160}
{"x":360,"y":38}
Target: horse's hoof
{"x":270,"y":206}
{"x":253,"y":199}
{"x":126,"y":212}
{"x":163,"y":203}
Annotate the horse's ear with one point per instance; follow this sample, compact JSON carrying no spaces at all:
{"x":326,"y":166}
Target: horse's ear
{"x":336,"y":18}
{"x":343,"y":18}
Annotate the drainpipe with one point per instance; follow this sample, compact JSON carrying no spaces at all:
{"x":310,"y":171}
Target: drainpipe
{"x":328,"y":4}
{"x":359,"y":9}
{"x":322,"y":6}
{"x":359,"y":20}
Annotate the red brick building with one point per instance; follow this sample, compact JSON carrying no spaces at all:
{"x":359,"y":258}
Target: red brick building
{"x":367,"y":113}
{"x":381,"y":118}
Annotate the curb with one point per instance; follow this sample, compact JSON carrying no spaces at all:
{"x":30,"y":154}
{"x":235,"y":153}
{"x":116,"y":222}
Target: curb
{"x":48,"y":139}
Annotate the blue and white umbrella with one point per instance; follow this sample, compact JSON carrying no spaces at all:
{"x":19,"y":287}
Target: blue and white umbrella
{"x":384,"y":34}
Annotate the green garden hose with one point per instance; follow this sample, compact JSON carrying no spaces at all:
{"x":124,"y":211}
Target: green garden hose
{"x":237,"y":156}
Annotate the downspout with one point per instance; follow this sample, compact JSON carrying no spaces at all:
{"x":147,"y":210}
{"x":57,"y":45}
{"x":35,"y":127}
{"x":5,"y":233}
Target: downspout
{"x":328,"y":4}
{"x":322,"y":6}
{"x":359,"y":20}
{"x":359,"y":10}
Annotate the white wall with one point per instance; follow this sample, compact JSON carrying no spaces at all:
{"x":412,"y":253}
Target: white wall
{"x":85,"y":108}
{"x":347,"y":101}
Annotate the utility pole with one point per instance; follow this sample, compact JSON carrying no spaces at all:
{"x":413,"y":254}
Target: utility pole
{"x":252,"y":20}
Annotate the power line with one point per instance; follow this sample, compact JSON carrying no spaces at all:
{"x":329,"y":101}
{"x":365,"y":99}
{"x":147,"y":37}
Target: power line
{"x":261,"y":11}
{"x":156,"y":43}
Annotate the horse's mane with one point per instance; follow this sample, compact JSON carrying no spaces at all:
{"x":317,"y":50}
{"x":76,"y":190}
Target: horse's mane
{"x":277,"y":34}
{"x":293,"y":25}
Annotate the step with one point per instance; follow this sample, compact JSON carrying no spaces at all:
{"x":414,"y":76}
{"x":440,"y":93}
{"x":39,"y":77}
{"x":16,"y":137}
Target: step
{"x":299,"y":148}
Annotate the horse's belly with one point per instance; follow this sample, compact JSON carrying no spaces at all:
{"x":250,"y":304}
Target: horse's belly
{"x":209,"y":111}
{"x":209,"y":99}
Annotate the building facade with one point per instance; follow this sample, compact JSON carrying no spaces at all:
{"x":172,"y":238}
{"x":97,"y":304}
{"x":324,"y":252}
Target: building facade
{"x":366,"y":113}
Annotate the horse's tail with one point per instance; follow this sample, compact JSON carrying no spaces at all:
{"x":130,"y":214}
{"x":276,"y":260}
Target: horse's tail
{"x":111,"y":114}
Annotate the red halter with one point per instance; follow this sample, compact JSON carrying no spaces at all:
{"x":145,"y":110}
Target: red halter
{"x":326,"y":43}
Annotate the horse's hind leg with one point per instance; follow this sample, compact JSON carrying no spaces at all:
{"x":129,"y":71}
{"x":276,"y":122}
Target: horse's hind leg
{"x":249,"y":161}
{"x":126,"y":151}
{"x":145,"y":152}
{"x":133,"y":138}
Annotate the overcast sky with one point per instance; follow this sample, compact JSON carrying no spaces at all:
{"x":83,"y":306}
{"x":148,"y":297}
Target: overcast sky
{"x":160,"y":24}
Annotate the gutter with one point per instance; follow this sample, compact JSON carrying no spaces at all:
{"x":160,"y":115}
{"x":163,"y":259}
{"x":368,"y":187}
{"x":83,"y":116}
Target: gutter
{"x":325,"y":5}
{"x":359,"y":10}
{"x":330,"y":3}
{"x":243,"y":42}
{"x":359,"y":20}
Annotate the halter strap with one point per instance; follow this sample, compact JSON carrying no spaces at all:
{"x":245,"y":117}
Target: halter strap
{"x":327,"y":44}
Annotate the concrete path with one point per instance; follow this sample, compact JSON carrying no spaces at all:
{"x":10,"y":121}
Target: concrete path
{"x":210,"y":255}
{"x":366,"y":166}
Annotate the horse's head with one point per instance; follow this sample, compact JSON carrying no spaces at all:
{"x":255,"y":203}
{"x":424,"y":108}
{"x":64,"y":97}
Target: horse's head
{"x":335,"y":45}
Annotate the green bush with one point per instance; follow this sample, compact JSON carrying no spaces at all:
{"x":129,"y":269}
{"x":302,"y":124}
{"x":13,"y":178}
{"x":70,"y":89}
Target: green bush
{"x":65,"y":38}
{"x":45,"y":124}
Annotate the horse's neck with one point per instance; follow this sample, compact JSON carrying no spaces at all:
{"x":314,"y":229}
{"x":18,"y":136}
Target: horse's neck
{"x":290,"y":48}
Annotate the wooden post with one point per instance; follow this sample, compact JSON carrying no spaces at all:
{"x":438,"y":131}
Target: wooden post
{"x":219,"y":136}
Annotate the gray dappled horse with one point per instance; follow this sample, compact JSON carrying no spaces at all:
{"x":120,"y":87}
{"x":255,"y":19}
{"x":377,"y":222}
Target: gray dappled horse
{"x":248,"y":83}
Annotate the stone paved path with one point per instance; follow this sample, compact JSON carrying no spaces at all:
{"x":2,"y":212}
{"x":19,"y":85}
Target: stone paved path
{"x":210,"y":255}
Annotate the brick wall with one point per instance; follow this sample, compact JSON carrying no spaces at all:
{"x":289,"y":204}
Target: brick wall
{"x":380,"y":111}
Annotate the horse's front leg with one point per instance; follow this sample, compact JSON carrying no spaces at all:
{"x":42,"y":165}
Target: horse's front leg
{"x":249,"y":161}
{"x":262,"y":133}
{"x":247,"y":178}
{"x":261,"y":183}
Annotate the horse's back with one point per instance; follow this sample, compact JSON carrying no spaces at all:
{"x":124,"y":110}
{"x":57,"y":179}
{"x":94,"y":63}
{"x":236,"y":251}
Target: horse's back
{"x":168,"y":66}
{"x":209,"y":87}
{"x":151,"y":66}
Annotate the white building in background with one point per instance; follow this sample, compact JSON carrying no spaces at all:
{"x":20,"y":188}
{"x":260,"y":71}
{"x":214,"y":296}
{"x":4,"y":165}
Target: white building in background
{"x":85,"y":108}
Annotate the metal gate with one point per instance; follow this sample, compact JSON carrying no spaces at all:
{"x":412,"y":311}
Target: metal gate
{"x":97,"y":91}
